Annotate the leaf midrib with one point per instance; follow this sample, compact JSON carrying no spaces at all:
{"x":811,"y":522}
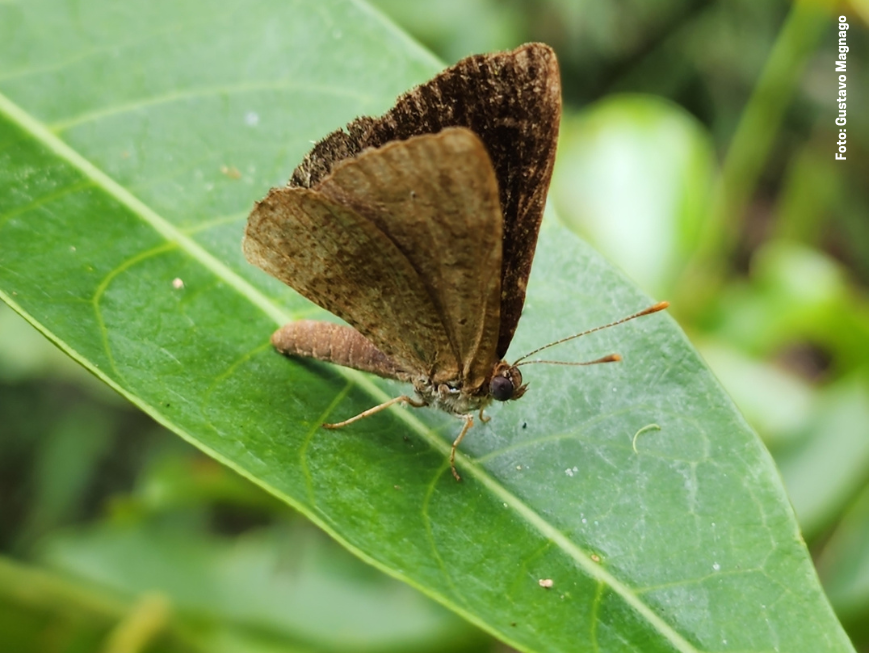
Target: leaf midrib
{"x":43,"y":135}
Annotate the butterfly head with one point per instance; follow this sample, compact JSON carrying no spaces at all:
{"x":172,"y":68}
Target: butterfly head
{"x":506,"y":383}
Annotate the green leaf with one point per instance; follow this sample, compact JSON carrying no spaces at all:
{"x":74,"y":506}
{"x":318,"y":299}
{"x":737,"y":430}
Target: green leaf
{"x":775,"y":402}
{"x":844,"y":566}
{"x":825,"y":468}
{"x":37,"y":607}
{"x":665,"y":157}
{"x":283,"y":584}
{"x":134,"y":137}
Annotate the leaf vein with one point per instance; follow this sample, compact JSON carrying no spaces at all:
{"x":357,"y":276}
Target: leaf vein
{"x":171,"y":97}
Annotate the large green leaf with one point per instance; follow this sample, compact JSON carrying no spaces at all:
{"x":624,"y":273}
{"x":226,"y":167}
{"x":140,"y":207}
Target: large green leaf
{"x":133,"y":139}
{"x":281,"y":584}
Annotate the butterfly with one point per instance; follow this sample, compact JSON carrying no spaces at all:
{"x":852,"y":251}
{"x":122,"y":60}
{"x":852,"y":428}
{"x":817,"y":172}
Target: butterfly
{"x":418,"y":229}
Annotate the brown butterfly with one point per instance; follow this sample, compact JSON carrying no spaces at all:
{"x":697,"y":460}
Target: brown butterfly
{"x":418,"y":229}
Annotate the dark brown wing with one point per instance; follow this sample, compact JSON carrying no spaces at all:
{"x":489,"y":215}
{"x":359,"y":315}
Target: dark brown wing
{"x":435,"y":197}
{"x":512,"y":101}
{"x":343,"y":262}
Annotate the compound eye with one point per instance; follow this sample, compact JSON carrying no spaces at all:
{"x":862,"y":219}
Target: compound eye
{"x":501,"y":388}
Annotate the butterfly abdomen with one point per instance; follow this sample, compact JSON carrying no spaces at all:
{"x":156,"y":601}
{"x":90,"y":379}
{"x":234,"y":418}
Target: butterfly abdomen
{"x":333,"y":343}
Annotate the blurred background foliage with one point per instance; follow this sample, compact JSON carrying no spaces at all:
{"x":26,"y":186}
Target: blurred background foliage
{"x":696,"y":153}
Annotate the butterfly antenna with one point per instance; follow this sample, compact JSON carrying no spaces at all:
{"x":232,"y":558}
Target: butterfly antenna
{"x":612,"y":358}
{"x":660,"y":306}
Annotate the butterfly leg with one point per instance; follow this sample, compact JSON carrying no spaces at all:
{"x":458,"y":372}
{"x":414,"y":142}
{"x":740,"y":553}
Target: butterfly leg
{"x":469,"y":422}
{"x":403,"y":399}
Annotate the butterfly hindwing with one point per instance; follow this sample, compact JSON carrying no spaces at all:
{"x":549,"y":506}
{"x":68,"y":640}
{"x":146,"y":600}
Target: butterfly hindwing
{"x":344,"y":263}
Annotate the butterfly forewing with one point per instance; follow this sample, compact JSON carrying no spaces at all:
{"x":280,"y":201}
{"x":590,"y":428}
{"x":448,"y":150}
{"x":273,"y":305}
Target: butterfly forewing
{"x":512,"y":101}
{"x":436,"y":199}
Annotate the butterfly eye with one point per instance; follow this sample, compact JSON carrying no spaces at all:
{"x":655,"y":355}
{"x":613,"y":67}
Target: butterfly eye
{"x":501,"y":388}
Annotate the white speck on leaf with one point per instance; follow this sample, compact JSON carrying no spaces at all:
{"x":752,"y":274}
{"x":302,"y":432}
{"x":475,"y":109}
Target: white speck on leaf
{"x":251,"y":119}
